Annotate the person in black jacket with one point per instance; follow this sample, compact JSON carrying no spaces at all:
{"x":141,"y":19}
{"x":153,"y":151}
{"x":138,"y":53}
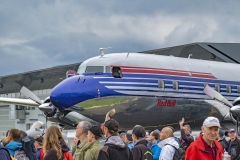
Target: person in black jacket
{"x":233,"y":145}
{"x":140,"y":151}
{"x":222,"y":139}
{"x":114,"y":148}
{"x":28,"y":145}
{"x":53,"y":144}
{"x":186,"y":139}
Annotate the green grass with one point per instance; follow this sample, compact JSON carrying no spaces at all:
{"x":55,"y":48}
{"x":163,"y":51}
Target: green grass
{"x":109,"y":101}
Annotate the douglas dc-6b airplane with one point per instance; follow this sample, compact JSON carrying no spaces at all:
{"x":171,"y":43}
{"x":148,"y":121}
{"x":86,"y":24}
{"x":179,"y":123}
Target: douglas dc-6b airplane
{"x":149,"y":90}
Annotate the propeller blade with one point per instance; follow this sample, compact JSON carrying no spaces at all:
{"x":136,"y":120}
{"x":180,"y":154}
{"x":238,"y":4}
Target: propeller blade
{"x":29,"y":94}
{"x":216,"y":95}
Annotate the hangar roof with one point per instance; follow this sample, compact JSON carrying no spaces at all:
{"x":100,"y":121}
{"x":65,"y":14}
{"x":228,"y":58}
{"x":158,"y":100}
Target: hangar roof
{"x":226,"y":52}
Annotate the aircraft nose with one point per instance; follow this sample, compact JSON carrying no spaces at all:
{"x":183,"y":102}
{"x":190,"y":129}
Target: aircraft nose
{"x":61,"y":96}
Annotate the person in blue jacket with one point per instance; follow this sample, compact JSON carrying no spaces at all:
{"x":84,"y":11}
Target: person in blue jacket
{"x":153,"y":137}
{"x":13,"y":141}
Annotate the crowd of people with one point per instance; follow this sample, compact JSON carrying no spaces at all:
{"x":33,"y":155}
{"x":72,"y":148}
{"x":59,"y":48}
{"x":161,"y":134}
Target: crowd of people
{"x":212,"y":143}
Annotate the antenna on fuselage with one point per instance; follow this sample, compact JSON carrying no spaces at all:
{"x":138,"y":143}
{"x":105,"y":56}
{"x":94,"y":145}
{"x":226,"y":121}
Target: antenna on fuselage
{"x":189,"y":56}
{"x":101,"y":50}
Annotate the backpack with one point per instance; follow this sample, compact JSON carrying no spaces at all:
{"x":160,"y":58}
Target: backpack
{"x":67,"y":156}
{"x":20,"y":155}
{"x":12,"y":158}
{"x":179,"y":153}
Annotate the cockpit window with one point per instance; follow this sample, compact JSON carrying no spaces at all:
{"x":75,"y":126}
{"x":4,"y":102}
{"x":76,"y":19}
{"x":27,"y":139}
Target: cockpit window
{"x":94,"y":69}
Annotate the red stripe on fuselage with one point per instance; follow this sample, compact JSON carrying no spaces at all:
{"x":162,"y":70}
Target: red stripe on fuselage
{"x":130,"y":69}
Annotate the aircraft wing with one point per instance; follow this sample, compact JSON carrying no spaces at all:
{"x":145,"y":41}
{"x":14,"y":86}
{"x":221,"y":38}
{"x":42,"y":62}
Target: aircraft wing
{"x":19,"y":101}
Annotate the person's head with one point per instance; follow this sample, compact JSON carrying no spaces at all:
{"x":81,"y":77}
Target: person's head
{"x":94,"y":133}
{"x":129,"y":138}
{"x":187,"y":129}
{"x":123,"y":137}
{"x":166,"y":132}
{"x":22,"y":135}
{"x":220,"y":133}
{"x":111,"y":127}
{"x":82,"y":129}
{"x":38,"y":142}
{"x":154,"y":136}
{"x":210,"y":129}
{"x":138,"y":132}
{"x":13,"y":135}
{"x":51,"y":140}
{"x":232,"y":133}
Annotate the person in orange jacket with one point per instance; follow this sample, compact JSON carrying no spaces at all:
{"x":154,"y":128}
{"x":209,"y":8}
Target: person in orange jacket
{"x":206,"y":146}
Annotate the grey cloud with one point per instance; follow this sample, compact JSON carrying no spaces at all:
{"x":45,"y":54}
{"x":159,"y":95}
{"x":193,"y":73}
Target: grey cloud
{"x":49,"y":33}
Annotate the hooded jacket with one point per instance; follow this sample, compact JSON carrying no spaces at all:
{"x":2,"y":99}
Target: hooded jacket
{"x":52,"y":154}
{"x":13,"y":146}
{"x":168,"y":150}
{"x":114,"y":149}
{"x":92,"y":150}
{"x":29,"y":148}
{"x":197,"y":151}
{"x":156,"y":150}
{"x":140,"y":151}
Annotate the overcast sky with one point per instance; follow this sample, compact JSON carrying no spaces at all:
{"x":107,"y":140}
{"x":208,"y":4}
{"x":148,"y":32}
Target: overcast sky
{"x":44,"y":33}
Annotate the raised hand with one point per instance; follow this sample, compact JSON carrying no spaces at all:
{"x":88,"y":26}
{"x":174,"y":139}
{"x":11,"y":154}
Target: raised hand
{"x":181,"y":122}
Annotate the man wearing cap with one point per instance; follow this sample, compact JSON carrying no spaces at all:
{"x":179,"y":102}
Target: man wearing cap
{"x":114,"y":148}
{"x":94,"y":135}
{"x":38,"y":143}
{"x":186,"y":139}
{"x":233,"y":145}
{"x":129,"y":139}
{"x":81,"y":133}
{"x":140,"y":151}
{"x":206,"y":146}
{"x":222,"y":139}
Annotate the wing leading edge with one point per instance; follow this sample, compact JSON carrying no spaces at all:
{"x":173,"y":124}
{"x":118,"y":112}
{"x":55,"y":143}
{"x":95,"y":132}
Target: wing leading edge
{"x":18,"y":101}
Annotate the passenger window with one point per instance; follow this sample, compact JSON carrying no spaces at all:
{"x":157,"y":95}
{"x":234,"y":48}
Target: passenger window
{"x":108,"y":69}
{"x":161,"y":84}
{"x":229,"y":89}
{"x":94,"y":69}
{"x":116,"y":72}
{"x":175,"y":85}
{"x":217,"y":87}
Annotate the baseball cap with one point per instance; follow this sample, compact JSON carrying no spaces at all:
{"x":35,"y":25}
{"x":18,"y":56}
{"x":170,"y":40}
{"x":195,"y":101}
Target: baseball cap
{"x":112,"y":124}
{"x":139,"y":131}
{"x":231,"y":130}
{"x":211,"y":122}
{"x":96,"y":130}
{"x":129,"y":137}
{"x":156,"y":130}
{"x":221,"y":132}
{"x":39,"y":139}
